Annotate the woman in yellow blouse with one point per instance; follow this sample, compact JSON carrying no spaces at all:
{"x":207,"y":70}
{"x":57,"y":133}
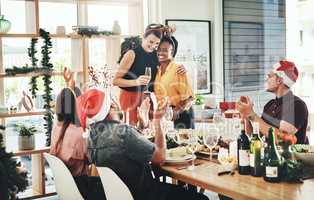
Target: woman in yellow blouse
{"x":173,"y":86}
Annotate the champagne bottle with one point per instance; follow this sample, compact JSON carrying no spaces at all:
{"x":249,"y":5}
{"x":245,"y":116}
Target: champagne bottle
{"x":272,"y":159}
{"x":256,"y":145}
{"x":243,"y":152}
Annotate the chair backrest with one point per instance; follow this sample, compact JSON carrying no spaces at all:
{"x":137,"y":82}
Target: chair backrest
{"x":64,"y":181}
{"x":113,"y":185}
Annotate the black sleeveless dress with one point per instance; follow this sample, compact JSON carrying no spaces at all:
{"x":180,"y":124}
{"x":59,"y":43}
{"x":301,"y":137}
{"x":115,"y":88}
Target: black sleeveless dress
{"x":142,"y":60}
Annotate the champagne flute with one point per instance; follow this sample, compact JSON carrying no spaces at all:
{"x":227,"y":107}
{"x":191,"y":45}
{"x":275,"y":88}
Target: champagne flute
{"x":148,"y":72}
{"x":211,"y":138}
{"x":192,"y":142}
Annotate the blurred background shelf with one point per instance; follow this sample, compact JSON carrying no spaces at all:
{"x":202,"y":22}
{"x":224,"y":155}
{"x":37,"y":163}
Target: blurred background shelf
{"x":31,"y":74}
{"x":22,"y":114}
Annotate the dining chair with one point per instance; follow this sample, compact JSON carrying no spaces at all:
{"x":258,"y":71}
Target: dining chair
{"x":64,"y":181}
{"x":113,"y":185}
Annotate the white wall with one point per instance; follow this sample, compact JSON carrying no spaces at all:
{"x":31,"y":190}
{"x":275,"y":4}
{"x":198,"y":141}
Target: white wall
{"x":160,"y":10}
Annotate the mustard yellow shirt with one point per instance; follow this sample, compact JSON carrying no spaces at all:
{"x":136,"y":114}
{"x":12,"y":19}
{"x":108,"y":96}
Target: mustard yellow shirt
{"x":175,"y":86}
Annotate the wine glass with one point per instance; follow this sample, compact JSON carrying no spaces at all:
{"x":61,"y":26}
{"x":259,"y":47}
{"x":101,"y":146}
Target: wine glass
{"x":211,"y":138}
{"x":218,"y":120}
{"x":169,"y":113}
{"x":217,"y":117}
{"x":193,"y":145}
{"x":148,"y":72}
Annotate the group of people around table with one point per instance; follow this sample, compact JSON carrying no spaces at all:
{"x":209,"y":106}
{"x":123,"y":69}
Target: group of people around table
{"x":121,"y":147}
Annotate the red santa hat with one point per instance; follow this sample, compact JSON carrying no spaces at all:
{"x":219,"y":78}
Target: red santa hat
{"x":287,"y":71}
{"x":93,"y":106}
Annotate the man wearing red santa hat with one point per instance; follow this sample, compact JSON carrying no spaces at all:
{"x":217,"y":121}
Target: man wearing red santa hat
{"x":121,"y":148}
{"x":287,"y":113}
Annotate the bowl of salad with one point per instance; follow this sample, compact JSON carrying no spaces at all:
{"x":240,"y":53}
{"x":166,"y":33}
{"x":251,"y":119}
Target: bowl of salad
{"x":304,"y":152}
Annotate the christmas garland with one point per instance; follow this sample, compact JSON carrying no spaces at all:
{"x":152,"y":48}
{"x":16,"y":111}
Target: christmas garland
{"x":31,"y":54}
{"x":19,"y":70}
{"x":45,"y":62}
{"x":90,"y":33}
{"x":12,"y":179}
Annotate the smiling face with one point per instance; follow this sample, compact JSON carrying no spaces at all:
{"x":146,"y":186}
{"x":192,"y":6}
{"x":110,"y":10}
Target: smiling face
{"x":164,"y":52}
{"x":150,"y":43}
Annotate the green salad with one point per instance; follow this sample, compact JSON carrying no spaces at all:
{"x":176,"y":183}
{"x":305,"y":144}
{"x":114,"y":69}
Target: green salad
{"x":302,"y":148}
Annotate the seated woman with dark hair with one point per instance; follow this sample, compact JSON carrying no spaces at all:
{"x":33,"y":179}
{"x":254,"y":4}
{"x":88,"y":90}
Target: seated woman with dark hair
{"x":68,"y":144}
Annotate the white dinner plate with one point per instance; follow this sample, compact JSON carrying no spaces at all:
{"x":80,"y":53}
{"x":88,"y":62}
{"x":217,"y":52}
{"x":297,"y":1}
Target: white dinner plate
{"x":179,"y":160}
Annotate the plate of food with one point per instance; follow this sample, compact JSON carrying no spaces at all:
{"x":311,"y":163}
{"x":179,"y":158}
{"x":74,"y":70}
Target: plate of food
{"x":205,"y":151}
{"x":304,"y":152}
{"x":178,"y":155}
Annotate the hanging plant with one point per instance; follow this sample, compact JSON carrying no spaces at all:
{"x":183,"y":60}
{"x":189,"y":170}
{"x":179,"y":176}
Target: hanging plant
{"x":90,"y":33}
{"x":31,"y":54}
{"x":13,"y":178}
{"x":19,"y":70}
{"x":45,"y":62}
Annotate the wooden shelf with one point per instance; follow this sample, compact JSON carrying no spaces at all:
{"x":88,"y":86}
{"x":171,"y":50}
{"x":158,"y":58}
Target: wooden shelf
{"x":29,"y":152}
{"x":22,"y":114}
{"x":18,"y":35}
{"x":31,"y":74}
{"x":67,"y":36}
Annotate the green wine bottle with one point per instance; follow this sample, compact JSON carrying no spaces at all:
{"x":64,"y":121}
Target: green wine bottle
{"x":256,"y":146}
{"x":273,"y":162}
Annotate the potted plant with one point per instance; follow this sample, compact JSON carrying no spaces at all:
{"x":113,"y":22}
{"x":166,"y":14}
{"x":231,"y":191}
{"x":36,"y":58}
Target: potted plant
{"x":199,"y":102}
{"x":198,"y":106}
{"x":26,"y":137}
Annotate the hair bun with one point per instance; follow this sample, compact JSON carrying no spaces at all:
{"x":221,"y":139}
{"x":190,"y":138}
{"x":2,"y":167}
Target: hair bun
{"x":169,"y":29}
{"x":165,"y":30}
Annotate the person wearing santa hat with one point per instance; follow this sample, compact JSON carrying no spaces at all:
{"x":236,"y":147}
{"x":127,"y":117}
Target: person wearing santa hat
{"x":122,"y":148}
{"x":287,"y":113}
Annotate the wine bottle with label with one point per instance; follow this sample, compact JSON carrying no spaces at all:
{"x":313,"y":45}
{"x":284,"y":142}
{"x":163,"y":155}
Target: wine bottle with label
{"x":243,"y":152}
{"x":273,"y":162}
{"x":256,"y":146}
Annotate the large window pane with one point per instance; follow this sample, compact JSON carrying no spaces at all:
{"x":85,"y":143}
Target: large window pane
{"x":53,"y":14}
{"x":254,"y":40}
{"x":15,"y":52}
{"x":103,"y":16}
{"x":21,"y":14}
{"x":97,"y":52}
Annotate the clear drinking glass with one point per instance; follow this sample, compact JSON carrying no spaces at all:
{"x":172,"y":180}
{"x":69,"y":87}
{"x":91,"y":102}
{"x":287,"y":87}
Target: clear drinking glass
{"x":169,"y":114}
{"x":217,"y":117}
{"x":192,"y":145}
{"x":219,"y":122}
{"x":148,"y":72}
{"x":211,"y":137}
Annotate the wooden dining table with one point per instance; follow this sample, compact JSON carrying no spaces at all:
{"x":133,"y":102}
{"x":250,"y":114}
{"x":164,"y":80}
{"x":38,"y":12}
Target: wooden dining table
{"x":236,"y":186}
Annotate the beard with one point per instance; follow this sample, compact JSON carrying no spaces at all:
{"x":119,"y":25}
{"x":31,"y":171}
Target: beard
{"x":269,"y":87}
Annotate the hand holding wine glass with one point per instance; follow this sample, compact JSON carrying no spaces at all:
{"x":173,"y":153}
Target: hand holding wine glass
{"x":142,"y":80}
